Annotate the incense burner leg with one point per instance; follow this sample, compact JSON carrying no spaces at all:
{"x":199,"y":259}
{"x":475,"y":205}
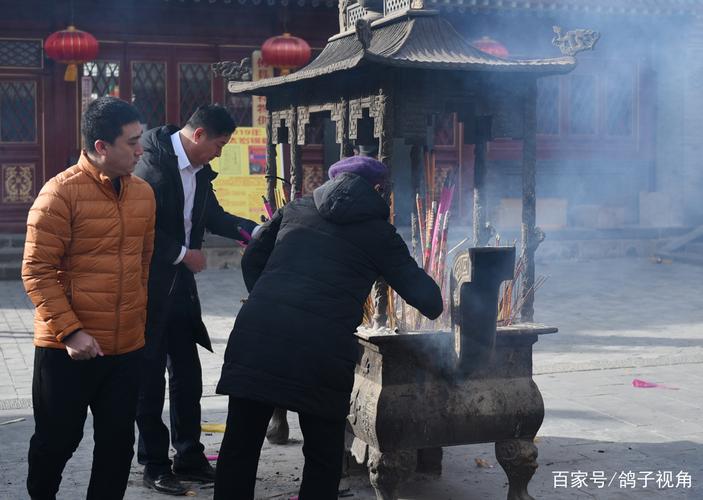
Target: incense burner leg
{"x":277,"y":432}
{"x":429,"y":461}
{"x":388,"y":470}
{"x":518,"y":457}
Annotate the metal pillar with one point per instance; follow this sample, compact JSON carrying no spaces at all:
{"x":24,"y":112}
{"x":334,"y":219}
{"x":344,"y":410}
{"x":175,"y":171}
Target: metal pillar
{"x":529,"y":239}
{"x":270,"y":163}
{"x":296,"y":167}
{"x":385,"y":151}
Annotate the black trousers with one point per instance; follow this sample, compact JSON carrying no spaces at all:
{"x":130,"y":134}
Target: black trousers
{"x":323,"y":448}
{"x":62,"y":392}
{"x":174,"y":349}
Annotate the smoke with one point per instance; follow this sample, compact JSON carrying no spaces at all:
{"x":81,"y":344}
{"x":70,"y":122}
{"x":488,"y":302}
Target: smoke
{"x":618,"y":148}
{"x":611,"y":144}
{"x":618,"y":157}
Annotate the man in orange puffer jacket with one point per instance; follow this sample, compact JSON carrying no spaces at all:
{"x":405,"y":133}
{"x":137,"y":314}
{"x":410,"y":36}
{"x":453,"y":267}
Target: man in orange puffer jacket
{"x":90,"y":237}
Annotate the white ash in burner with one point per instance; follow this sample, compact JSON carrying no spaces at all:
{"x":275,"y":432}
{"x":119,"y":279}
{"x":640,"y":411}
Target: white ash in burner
{"x":380,"y":330}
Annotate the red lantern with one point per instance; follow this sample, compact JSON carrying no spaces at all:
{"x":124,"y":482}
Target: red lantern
{"x":490,"y":46}
{"x":72,"y":47}
{"x":285,"y":52}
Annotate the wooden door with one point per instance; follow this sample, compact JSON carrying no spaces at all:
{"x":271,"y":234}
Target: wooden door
{"x":21,"y":147}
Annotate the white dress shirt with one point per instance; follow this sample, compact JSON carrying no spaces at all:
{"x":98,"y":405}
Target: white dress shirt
{"x":187,"y":172}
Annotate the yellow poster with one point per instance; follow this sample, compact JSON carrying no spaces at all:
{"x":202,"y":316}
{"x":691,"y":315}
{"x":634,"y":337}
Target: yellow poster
{"x":242,"y":167}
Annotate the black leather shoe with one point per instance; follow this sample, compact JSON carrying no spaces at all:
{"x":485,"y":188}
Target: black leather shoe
{"x":165,"y":483}
{"x":204,"y":473}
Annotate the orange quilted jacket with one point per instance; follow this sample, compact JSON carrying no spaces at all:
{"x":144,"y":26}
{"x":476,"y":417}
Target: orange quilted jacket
{"x":86,"y":258}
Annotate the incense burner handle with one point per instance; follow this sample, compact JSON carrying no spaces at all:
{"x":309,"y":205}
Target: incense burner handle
{"x":475,"y":302}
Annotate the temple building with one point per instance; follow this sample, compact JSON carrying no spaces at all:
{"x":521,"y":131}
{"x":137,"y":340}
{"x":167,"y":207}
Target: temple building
{"x":618,"y":152}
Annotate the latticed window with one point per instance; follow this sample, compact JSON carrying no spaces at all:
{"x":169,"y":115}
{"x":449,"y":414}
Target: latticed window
{"x":239,"y":107}
{"x":195,"y":88}
{"x":21,"y":54}
{"x":149,"y":91}
{"x":548,"y":106}
{"x":18,"y":111}
{"x":105,"y":76}
{"x":583,"y":102}
{"x":619,"y":90}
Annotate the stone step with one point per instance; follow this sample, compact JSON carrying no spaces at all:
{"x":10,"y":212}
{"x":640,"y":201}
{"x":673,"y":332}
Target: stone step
{"x":689,"y":258}
{"x":11,"y":249}
{"x":11,"y":240}
{"x":10,"y":255}
{"x":10,"y":271}
{"x":679,"y":242}
{"x":694,"y":248}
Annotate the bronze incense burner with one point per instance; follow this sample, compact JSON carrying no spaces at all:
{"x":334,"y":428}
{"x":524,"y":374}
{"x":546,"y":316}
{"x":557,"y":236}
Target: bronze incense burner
{"x":417,"y":392}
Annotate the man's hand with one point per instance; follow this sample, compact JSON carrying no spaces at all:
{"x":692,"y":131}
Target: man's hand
{"x":82,"y":346}
{"x":194,"y":260}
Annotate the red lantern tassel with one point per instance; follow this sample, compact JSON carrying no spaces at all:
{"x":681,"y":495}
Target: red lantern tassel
{"x":71,"y":73}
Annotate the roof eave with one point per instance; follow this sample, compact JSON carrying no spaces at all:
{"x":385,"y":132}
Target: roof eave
{"x":538,"y":68}
{"x":558,"y":65}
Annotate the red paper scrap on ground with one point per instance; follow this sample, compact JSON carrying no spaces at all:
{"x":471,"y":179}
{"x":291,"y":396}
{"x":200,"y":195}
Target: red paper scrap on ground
{"x":643,"y":384}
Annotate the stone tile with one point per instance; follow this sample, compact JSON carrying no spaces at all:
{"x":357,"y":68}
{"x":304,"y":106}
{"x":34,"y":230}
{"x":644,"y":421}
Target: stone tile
{"x":619,"y":319}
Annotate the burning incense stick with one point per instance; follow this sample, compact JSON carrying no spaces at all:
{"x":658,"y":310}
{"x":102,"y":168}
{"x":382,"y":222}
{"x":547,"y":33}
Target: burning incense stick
{"x":267,"y":207}
{"x":245,"y":235}
{"x":420,"y":222}
{"x":413,"y":234}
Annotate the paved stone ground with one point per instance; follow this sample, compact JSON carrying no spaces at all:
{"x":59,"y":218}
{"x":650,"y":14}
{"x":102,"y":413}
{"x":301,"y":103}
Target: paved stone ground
{"x":619,"y":319}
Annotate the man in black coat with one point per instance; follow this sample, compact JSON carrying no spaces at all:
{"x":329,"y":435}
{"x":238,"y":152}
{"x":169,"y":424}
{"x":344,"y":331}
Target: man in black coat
{"x":175,"y":164}
{"x":309,"y":271}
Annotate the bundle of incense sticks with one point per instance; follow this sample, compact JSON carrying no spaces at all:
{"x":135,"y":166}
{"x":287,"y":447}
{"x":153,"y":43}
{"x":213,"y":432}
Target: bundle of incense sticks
{"x":268,"y":210}
{"x":280,"y":200}
{"x":511,"y":297}
{"x":430,"y":229}
{"x":368,"y":311}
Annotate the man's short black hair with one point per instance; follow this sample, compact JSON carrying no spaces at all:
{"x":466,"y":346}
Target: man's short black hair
{"x":214,"y":118}
{"x":104,"y":118}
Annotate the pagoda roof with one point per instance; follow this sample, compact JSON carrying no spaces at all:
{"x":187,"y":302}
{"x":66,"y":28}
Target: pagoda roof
{"x":415,"y":39}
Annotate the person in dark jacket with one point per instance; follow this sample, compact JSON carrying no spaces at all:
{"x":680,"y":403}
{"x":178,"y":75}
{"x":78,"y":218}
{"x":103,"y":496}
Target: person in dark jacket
{"x":175,"y":164}
{"x":309,"y":271}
